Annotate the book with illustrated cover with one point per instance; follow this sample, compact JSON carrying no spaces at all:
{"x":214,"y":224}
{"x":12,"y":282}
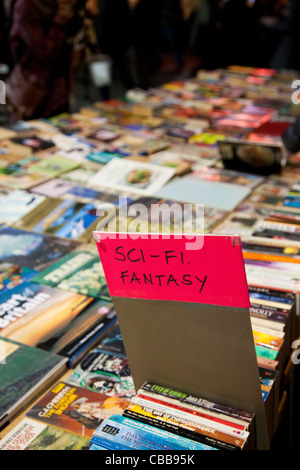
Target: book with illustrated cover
{"x":53,"y":166}
{"x":104,"y":373}
{"x":75,"y":409}
{"x":64,"y":218}
{"x":79,"y":272}
{"x":12,"y":275}
{"x":32,"y":250}
{"x":32,"y":435}
{"x":136,"y":177}
{"x":40,"y":316}
{"x":24,"y":371}
{"x":113,"y":343}
{"x":252,"y":157}
{"x":53,"y":188}
{"x":18,"y":203}
{"x":36,"y":144}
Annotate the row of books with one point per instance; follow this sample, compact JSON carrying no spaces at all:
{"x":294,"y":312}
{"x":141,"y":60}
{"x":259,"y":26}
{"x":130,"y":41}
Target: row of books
{"x":59,"y":178}
{"x":160,"y":418}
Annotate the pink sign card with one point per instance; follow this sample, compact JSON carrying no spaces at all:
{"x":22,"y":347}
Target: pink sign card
{"x":170,"y":268}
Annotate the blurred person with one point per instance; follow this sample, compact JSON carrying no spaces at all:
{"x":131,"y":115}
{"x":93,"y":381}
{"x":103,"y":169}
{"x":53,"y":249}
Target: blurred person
{"x":42,"y":42}
{"x":114,"y":40}
{"x":287,"y":25}
{"x":205,"y":37}
{"x":239,"y":26}
{"x":146,"y":32}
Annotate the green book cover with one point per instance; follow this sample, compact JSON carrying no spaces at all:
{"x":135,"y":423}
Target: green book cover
{"x":23,"y":370}
{"x":80,"y":272}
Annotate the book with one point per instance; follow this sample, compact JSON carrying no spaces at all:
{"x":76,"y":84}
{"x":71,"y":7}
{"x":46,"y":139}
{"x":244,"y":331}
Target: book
{"x":53,"y":188}
{"x":152,"y":430}
{"x":12,"y":275}
{"x":113,"y":343}
{"x":25,"y":372}
{"x":75,"y":409}
{"x":189,"y":189}
{"x":79,"y":272}
{"x":18,"y":203}
{"x":26,"y":314}
{"x":179,"y":411}
{"x":250,"y":156}
{"x":104,"y":373}
{"x":193,"y":402}
{"x":183,"y":427}
{"x":113,"y":433}
{"x":32,"y":250}
{"x":32,"y":435}
{"x":136,"y":177}
{"x":53,"y":166}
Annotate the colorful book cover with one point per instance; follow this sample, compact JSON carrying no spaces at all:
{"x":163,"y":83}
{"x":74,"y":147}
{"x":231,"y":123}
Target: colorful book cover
{"x":134,"y":438}
{"x":138,"y":177}
{"x":55,"y":187}
{"x":41,"y":316}
{"x":53,"y":166}
{"x":152,"y":430}
{"x":104,"y":373}
{"x":23,"y":371}
{"x":35,"y":251}
{"x":12,"y":275}
{"x":75,"y":409}
{"x":32,"y":435}
{"x":79,"y":272}
{"x":17,"y":204}
{"x":113,"y":343}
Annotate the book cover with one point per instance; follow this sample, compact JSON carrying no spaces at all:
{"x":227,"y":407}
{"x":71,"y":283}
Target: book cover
{"x":53,"y":166}
{"x":137,"y":439}
{"x":113,"y":343}
{"x":12,"y":275}
{"x":18,"y":203}
{"x":40,"y":316}
{"x":104,"y":373}
{"x":53,"y":188}
{"x":32,"y":435}
{"x":80,"y":272}
{"x":75,"y":409}
{"x":152,"y":430}
{"x":24,"y":371}
{"x":33,"y":250}
{"x":136,"y":177}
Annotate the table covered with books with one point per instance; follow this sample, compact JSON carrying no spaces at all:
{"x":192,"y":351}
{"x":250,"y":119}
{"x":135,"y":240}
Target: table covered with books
{"x":214,"y":140}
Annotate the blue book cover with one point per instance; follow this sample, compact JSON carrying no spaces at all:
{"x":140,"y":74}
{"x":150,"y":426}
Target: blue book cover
{"x":182,"y":441}
{"x":108,"y":444}
{"x":137,"y":439}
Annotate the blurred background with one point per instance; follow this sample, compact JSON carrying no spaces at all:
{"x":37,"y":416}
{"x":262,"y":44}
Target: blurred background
{"x":80,"y":51}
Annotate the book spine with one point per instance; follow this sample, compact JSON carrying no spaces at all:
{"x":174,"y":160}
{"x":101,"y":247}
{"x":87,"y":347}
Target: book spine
{"x":108,"y":444}
{"x":193,"y":418}
{"x":120,"y":434}
{"x":193,"y":410}
{"x":184,"y":442}
{"x":195,"y":401}
{"x":184,"y":427}
{"x":208,"y":441}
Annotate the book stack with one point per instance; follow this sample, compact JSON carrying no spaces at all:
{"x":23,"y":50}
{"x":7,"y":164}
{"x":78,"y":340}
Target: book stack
{"x":159,"y":418}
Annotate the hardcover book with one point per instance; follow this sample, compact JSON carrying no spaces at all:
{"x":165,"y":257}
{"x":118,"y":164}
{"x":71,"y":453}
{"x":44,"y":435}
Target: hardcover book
{"x":24,"y":372}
